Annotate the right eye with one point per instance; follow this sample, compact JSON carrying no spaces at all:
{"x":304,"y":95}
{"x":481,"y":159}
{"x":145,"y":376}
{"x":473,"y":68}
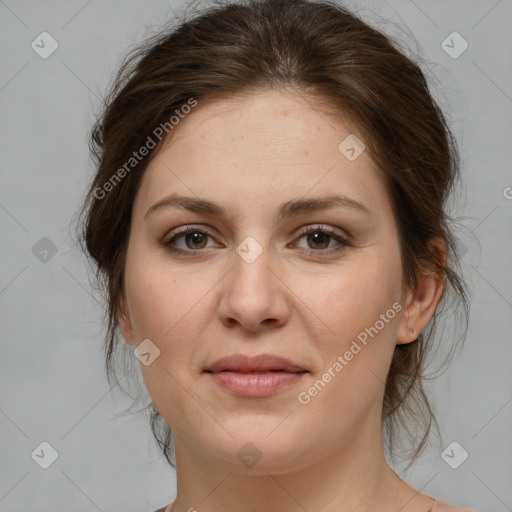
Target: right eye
{"x":194,"y":239}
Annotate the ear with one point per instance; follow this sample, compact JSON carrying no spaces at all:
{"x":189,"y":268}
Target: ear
{"x":422,"y":300}
{"x":125,"y":324}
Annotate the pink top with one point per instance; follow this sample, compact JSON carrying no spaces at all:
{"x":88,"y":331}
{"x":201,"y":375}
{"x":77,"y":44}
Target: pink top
{"x":438,"y":506}
{"x":441,"y":506}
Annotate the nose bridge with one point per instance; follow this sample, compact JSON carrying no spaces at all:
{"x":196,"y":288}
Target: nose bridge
{"x":252,"y":263}
{"x":252,"y":293}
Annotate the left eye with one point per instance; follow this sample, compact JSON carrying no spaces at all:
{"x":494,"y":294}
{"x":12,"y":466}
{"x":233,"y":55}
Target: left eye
{"x":321,"y":237}
{"x":196,"y":240}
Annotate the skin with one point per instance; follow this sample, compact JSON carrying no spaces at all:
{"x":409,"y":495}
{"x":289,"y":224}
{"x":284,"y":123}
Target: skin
{"x":250,"y":154}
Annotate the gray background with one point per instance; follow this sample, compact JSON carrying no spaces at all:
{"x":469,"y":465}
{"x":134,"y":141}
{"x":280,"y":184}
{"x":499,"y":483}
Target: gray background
{"x":53,"y":386}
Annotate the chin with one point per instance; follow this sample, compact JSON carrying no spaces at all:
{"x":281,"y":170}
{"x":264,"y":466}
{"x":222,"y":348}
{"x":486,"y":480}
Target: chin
{"x":258,"y":448}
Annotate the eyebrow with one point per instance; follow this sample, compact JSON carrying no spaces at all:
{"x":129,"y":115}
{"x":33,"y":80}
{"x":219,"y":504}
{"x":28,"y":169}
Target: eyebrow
{"x":288,"y":209}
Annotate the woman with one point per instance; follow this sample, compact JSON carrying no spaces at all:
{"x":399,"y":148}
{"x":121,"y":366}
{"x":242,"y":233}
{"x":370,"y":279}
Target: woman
{"x":268,"y":218}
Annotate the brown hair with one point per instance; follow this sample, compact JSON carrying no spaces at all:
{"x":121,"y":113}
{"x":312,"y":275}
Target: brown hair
{"x":319,"y":49}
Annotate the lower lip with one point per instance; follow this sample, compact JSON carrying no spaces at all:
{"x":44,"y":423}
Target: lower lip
{"x":255,"y":384}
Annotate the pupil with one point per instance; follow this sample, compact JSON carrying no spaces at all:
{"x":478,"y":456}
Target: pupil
{"x":194,"y":239}
{"x":317,"y":238}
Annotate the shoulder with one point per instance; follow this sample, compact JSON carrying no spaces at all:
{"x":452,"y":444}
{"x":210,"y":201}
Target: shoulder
{"x":441,"y":506}
{"x":438,"y":506}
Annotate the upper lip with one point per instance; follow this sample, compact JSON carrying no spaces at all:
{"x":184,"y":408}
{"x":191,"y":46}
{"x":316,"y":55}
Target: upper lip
{"x":261,"y":362}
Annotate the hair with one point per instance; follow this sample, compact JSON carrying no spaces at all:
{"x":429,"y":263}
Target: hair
{"x":320,"y":50}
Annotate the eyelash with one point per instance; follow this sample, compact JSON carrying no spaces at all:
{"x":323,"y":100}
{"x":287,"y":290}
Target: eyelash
{"x":180,"y":232}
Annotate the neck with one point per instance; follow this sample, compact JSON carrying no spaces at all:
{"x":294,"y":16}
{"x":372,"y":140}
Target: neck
{"x":357,"y":478}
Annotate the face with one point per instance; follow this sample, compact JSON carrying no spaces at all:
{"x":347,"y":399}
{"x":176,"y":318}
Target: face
{"x":265,"y":271}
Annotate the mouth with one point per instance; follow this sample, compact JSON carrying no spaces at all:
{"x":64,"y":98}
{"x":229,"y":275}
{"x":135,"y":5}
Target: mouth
{"x":260,"y":363}
{"x":256,"y":376}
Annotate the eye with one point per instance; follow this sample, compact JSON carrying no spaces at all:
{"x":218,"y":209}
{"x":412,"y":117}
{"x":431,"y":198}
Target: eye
{"x":195,"y":239}
{"x":320,"y":237}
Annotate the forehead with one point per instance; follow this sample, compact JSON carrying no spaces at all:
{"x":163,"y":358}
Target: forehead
{"x":279,"y":120}
{"x":267,"y":144}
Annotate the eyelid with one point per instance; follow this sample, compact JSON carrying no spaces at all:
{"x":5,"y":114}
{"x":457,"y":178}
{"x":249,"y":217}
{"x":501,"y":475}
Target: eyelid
{"x":186,"y":229}
{"x":322,"y":227}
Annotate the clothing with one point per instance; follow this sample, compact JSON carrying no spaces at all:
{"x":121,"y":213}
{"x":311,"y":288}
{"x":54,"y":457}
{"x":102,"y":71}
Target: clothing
{"x":441,"y":506}
{"x":438,"y":506}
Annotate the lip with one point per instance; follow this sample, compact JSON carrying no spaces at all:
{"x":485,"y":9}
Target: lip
{"x":259,"y":363}
{"x":256,"y":376}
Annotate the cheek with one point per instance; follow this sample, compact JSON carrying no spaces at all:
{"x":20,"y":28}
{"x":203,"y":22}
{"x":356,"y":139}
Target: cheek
{"x":353,"y":299}
{"x":361,"y":309}
{"x":160,"y":297}
{"x":170,"y":308}
{"x":164,"y":309}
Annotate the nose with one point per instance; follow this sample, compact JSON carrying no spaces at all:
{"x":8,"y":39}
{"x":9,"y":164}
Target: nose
{"x":253,"y":296}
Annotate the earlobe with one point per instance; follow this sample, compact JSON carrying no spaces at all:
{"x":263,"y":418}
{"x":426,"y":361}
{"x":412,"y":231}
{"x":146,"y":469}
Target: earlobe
{"x":408,"y":329}
{"x":422,"y":300}
{"x":406,"y":333}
